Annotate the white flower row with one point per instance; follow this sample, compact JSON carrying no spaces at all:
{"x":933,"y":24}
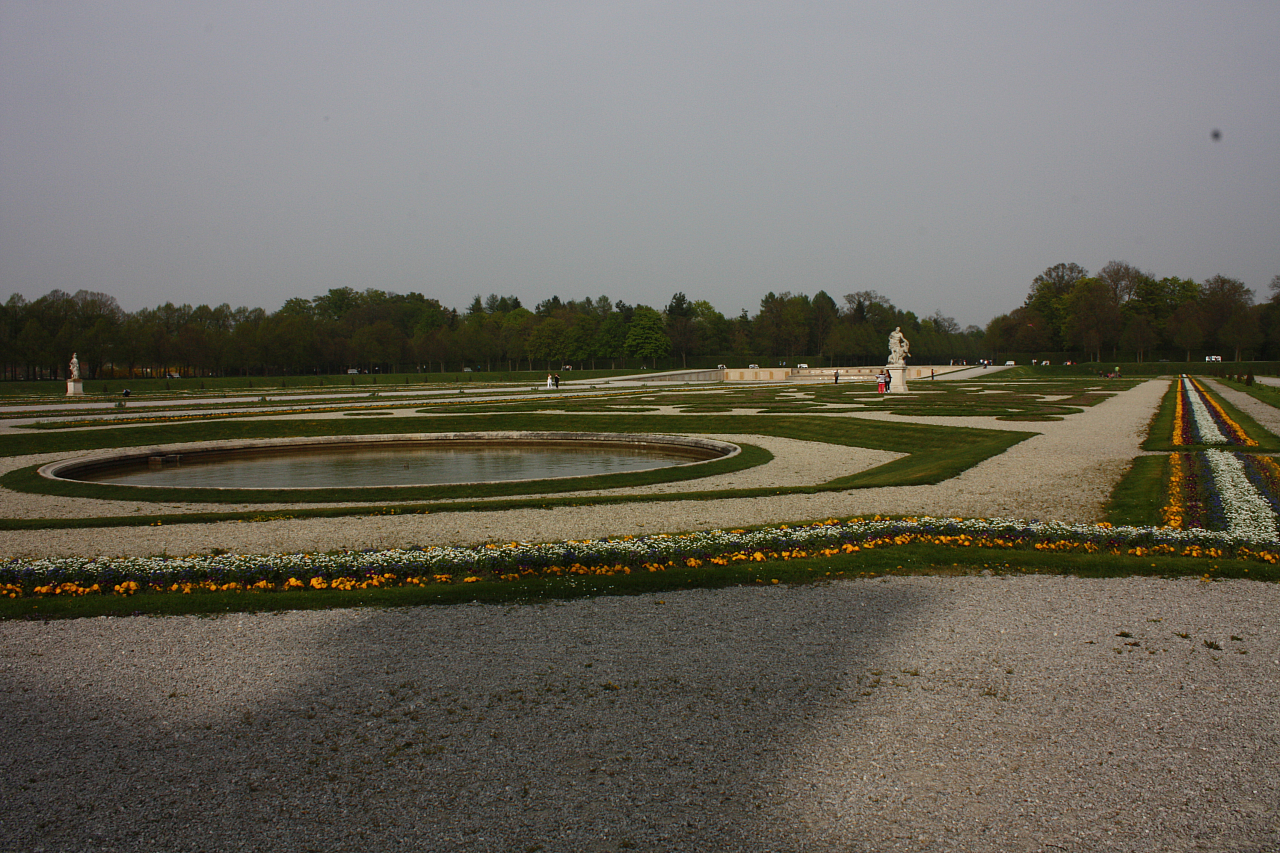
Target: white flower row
{"x":1249,"y":515}
{"x":1205,"y":425}
{"x":1251,"y":529}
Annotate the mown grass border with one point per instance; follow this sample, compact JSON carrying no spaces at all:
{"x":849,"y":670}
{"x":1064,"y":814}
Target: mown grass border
{"x":28,"y":480}
{"x":1162,"y":422}
{"x":1139,"y":497}
{"x":933,"y":454}
{"x":1266,"y":394}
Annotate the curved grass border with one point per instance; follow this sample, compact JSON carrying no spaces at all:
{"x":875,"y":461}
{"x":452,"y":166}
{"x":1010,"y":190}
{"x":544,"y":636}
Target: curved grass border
{"x":29,"y":480}
{"x":934,"y":454}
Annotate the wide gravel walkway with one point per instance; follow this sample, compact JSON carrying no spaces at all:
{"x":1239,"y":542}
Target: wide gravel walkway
{"x":967,"y":714}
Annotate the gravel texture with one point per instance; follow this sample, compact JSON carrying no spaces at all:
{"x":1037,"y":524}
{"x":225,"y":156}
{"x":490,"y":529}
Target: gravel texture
{"x":971,"y":714}
{"x":1268,"y":417}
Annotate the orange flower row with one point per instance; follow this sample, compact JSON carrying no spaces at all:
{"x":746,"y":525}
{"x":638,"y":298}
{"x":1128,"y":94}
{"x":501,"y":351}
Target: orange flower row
{"x":390,"y":579}
{"x":1238,"y":433}
{"x":1179,"y":425}
{"x":1174,"y":513}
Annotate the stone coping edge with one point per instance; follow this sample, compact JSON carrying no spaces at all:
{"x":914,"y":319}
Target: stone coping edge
{"x":57,"y":469}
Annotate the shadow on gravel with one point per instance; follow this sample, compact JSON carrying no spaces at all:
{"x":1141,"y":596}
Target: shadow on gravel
{"x":614,"y":724}
{"x":869,"y":715}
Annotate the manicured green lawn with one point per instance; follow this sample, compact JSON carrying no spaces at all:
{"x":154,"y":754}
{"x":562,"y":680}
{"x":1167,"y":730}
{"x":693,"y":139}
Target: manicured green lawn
{"x":935,"y":453}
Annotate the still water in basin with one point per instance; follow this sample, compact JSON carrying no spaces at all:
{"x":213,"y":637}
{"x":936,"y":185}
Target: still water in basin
{"x":393,"y":466}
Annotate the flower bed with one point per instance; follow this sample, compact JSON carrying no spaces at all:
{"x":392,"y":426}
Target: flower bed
{"x":1221,"y":490}
{"x":1264,"y":473}
{"x":1192,"y":502}
{"x":1238,"y":493}
{"x":517,"y":561}
{"x":1200,"y":419}
{"x":1248,"y":514}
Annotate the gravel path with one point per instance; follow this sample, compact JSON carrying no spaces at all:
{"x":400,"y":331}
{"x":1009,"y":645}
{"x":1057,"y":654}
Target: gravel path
{"x":1268,"y":417}
{"x":968,"y":714}
{"x":1066,"y":472}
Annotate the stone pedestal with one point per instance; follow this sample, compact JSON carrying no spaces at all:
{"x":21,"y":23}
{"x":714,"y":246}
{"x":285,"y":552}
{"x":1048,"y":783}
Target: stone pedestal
{"x":75,"y":388}
{"x":898,"y":373}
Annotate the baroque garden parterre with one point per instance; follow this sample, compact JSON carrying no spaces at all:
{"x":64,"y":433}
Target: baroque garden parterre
{"x":1215,"y":505}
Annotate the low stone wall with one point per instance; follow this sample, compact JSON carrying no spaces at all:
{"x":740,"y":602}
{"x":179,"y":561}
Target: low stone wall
{"x":758,"y":374}
{"x":712,"y":375}
{"x":783,"y":374}
{"x":856,"y":374}
{"x":707,"y":375}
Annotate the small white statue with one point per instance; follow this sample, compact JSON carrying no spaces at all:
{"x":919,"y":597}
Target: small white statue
{"x":899,"y":348}
{"x":75,"y":367}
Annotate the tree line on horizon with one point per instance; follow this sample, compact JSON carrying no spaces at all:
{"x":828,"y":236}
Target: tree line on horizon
{"x":1124,"y":309}
{"x":1067,"y":312}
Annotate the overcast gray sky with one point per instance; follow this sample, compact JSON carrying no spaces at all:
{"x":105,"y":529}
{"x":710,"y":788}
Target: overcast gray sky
{"x":941,"y":153}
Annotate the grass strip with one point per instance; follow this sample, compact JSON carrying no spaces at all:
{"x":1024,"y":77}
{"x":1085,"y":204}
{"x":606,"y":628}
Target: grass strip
{"x":1268,"y":442}
{"x":866,"y":434}
{"x":280,"y":407}
{"x":1140,"y":495}
{"x":1160,"y":430}
{"x":1268,"y":394}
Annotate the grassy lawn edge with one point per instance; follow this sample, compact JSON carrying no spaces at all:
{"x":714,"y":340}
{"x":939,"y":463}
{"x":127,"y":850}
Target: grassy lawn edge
{"x":906,"y":560}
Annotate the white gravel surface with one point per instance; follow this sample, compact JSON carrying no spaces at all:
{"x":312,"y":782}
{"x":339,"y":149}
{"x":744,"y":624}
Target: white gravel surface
{"x":1065,"y":472}
{"x":1268,"y":417}
{"x":967,"y":714}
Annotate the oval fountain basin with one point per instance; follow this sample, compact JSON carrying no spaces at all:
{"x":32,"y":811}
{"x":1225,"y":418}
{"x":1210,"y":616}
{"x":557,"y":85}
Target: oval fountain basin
{"x":388,"y":460}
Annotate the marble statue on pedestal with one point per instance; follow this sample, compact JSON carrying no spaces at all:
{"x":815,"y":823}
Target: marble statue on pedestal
{"x":899,"y":348}
{"x":75,"y":387}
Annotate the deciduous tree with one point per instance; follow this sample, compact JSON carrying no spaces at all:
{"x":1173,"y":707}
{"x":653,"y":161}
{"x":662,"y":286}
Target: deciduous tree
{"x":1092,"y":316}
{"x":646,"y":335}
{"x":1048,"y":296}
